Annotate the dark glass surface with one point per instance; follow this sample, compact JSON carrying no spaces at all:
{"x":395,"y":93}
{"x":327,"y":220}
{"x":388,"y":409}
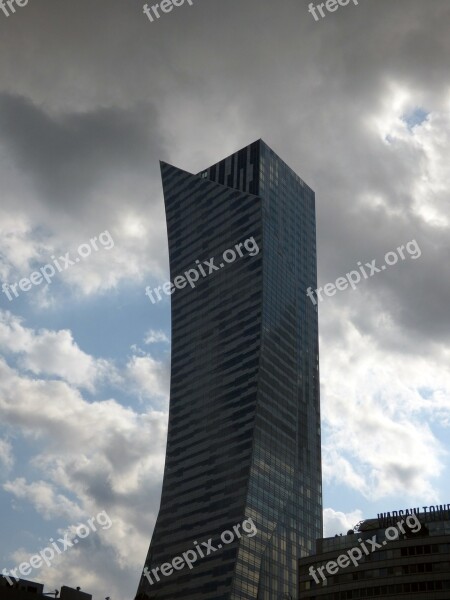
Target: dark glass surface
{"x":244,"y":422}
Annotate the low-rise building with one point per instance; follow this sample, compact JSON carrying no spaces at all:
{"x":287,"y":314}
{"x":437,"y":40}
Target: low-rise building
{"x":22,"y":589}
{"x":405,"y":554}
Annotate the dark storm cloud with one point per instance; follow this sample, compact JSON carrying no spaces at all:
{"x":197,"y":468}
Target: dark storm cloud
{"x":306,"y":87}
{"x":69,"y":154}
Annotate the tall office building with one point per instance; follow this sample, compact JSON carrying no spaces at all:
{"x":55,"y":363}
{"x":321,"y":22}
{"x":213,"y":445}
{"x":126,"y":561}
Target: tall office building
{"x":244,"y":422}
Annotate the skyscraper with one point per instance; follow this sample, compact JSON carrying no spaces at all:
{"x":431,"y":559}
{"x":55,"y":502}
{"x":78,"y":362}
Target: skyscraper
{"x":244,"y":422}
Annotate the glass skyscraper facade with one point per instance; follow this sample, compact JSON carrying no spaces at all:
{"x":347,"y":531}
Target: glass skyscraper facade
{"x":244,"y":422}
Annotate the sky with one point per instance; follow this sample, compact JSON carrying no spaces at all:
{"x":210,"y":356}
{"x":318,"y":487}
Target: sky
{"x":92,"y":96}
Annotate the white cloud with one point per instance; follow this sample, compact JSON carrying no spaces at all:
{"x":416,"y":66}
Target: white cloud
{"x":148,"y":377}
{"x":335,"y":522}
{"x":82,"y":562}
{"x":154,"y":336}
{"x":423,"y":147}
{"x":6,"y":454}
{"x":378,"y":427}
{"x":17,"y":244}
{"x":91,"y":456}
{"x":44,"y":498}
{"x":52,"y":353}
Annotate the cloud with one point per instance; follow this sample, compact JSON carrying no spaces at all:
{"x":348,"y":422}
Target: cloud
{"x":88,"y":456}
{"x":67,"y":154}
{"x":148,"y":376}
{"x":51,"y":353}
{"x":6,"y":454}
{"x":43,"y":497}
{"x":379,"y":437}
{"x":155,"y":336}
{"x":91,"y":456}
{"x":336,"y":522}
{"x":74,"y":559}
{"x":68,"y":176}
{"x":18,"y":247}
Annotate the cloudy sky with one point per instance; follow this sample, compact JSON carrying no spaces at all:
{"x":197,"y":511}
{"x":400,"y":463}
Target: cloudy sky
{"x":92,"y":96}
